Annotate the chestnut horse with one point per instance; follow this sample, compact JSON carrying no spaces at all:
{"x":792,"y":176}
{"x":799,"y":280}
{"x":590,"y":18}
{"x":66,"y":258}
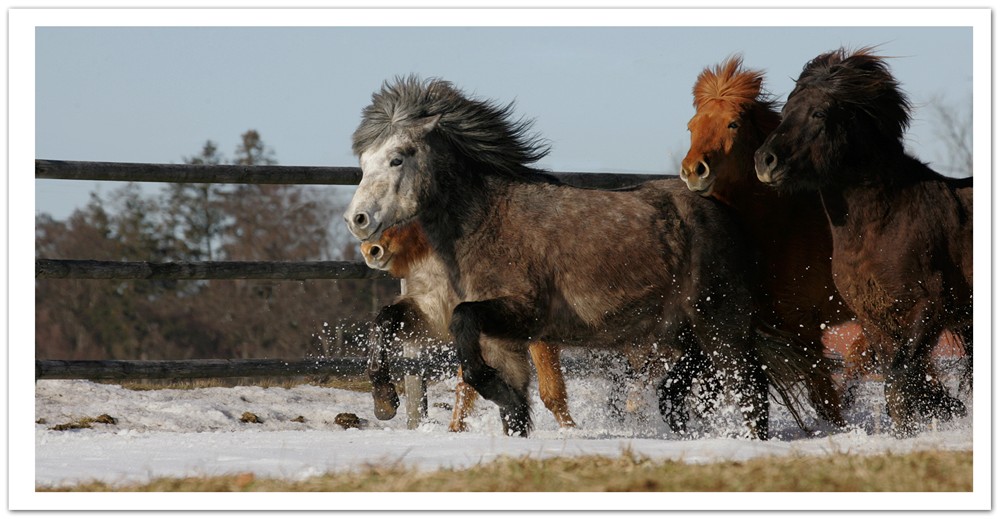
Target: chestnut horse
{"x":901,"y":233}
{"x":533,"y":259}
{"x":422,"y":313}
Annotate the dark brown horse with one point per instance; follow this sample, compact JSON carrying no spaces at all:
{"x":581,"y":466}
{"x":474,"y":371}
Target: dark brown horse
{"x":422,"y":314}
{"x":902,"y":233}
{"x":533,"y":259}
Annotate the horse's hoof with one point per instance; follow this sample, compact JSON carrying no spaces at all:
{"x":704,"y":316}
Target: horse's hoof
{"x":386,"y":401}
{"x":949,"y":408}
{"x":457,"y":426}
{"x":516,"y":422}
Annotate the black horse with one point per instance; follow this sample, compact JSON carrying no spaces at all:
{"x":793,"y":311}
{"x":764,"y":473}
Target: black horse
{"x":902,"y":233}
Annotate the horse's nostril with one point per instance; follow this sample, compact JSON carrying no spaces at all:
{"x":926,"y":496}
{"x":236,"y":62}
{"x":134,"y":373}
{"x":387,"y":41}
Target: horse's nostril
{"x":361,"y":220}
{"x":702,"y":169}
{"x":376,"y":252}
{"x":769,"y":159}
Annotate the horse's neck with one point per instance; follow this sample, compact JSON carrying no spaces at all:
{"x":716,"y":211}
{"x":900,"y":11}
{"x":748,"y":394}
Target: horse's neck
{"x":746,"y":195}
{"x":852,"y":210}
{"x":458,"y":222}
{"x":427,"y":286}
{"x":867,"y":200}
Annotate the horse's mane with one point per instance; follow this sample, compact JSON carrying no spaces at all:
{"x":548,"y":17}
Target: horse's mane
{"x":729,"y":82}
{"x":481,"y":130}
{"x":860,"y":79}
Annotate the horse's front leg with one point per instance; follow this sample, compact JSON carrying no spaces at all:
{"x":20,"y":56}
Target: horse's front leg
{"x":505,"y":382}
{"x":385,"y":332}
{"x":912,"y":389}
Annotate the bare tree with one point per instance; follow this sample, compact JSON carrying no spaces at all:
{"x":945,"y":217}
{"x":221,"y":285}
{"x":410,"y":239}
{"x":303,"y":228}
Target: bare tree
{"x":953,"y":125}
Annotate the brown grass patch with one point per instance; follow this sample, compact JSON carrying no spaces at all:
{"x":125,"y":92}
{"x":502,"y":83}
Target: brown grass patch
{"x":930,"y":471}
{"x":86,"y":422}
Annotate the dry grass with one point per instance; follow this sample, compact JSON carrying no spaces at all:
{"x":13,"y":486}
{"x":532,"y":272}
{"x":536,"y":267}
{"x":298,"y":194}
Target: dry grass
{"x":932,"y":471}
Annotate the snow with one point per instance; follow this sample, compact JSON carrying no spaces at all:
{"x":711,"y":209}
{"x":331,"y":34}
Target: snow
{"x":198,"y":432}
{"x":177,"y":433}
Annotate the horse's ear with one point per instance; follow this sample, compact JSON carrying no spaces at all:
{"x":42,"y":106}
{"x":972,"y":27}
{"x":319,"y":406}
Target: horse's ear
{"x":427,"y":124}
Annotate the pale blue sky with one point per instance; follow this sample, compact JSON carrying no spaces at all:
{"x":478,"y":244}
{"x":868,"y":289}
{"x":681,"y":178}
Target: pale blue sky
{"x":608,"y":99}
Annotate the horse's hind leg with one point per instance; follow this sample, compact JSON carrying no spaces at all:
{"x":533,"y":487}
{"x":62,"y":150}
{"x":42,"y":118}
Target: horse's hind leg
{"x":465,"y":399}
{"x":736,"y":362}
{"x":823,"y":392}
{"x":678,"y":383}
{"x":965,"y":382}
{"x":859,"y":360}
{"x":675,"y":387}
{"x":496,"y":318}
{"x":551,"y":384}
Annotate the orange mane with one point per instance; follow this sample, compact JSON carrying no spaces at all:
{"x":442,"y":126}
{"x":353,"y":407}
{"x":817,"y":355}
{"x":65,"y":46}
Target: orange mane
{"x":729,"y":82}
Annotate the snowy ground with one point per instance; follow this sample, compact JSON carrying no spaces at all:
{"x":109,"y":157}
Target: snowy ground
{"x":199,"y":433}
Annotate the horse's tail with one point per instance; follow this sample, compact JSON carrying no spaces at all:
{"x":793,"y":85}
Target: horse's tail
{"x":793,"y":368}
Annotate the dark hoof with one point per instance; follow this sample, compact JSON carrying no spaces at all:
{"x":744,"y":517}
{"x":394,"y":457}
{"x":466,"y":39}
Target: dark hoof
{"x":673,"y":408}
{"x":947,"y":408}
{"x":849,"y":396}
{"x":516,"y":421}
{"x":386,"y":401}
{"x":935,"y":402}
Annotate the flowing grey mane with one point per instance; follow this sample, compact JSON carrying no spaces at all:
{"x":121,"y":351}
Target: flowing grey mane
{"x":482,"y":130}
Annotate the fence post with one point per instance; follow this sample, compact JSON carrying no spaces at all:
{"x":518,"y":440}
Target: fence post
{"x":414,"y":385}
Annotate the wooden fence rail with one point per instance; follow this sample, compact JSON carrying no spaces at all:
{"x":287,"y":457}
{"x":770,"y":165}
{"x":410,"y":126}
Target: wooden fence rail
{"x":228,"y":174}
{"x":430,"y":366}
{"x":90,"y":269}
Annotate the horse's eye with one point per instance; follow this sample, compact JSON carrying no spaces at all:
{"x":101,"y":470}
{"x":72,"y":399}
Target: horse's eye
{"x":396,"y":162}
{"x":734,"y":125}
{"x":819,"y":114}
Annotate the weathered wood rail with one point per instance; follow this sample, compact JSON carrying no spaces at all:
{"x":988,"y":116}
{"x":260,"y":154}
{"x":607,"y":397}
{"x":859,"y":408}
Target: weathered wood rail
{"x":431,"y":366}
{"x":298,"y":270}
{"x":414,"y":370}
{"x":228,"y":174}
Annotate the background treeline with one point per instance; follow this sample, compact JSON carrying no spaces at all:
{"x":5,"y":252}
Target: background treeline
{"x":111,"y":319}
{"x":103,"y":319}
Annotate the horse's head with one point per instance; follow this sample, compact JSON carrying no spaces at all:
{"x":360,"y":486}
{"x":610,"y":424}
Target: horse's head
{"x":844,"y":115}
{"x":422,"y":141}
{"x":394,"y":174}
{"x":733,"y":115}
{"x":396,"y":249}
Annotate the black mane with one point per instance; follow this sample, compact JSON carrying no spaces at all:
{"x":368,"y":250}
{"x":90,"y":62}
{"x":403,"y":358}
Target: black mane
{"x":860,"y":80}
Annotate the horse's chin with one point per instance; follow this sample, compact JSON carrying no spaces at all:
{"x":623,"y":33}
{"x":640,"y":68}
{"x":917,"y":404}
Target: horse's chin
{"x":702,"y":188}
{"x":774,"y":178}
{"x":382,"y":263}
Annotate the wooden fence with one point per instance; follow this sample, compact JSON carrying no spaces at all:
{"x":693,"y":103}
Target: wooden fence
{"x":413,"y":369}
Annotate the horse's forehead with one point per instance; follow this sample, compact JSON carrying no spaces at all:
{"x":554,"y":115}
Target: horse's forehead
{"x":808,"y":93}
{"x":382,"y":146}
{"x":717,"y":109}
{"x":712,"y":115}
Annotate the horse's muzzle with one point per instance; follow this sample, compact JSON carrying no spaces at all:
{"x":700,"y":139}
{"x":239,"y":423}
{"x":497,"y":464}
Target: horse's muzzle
{"x":766,"y":164}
